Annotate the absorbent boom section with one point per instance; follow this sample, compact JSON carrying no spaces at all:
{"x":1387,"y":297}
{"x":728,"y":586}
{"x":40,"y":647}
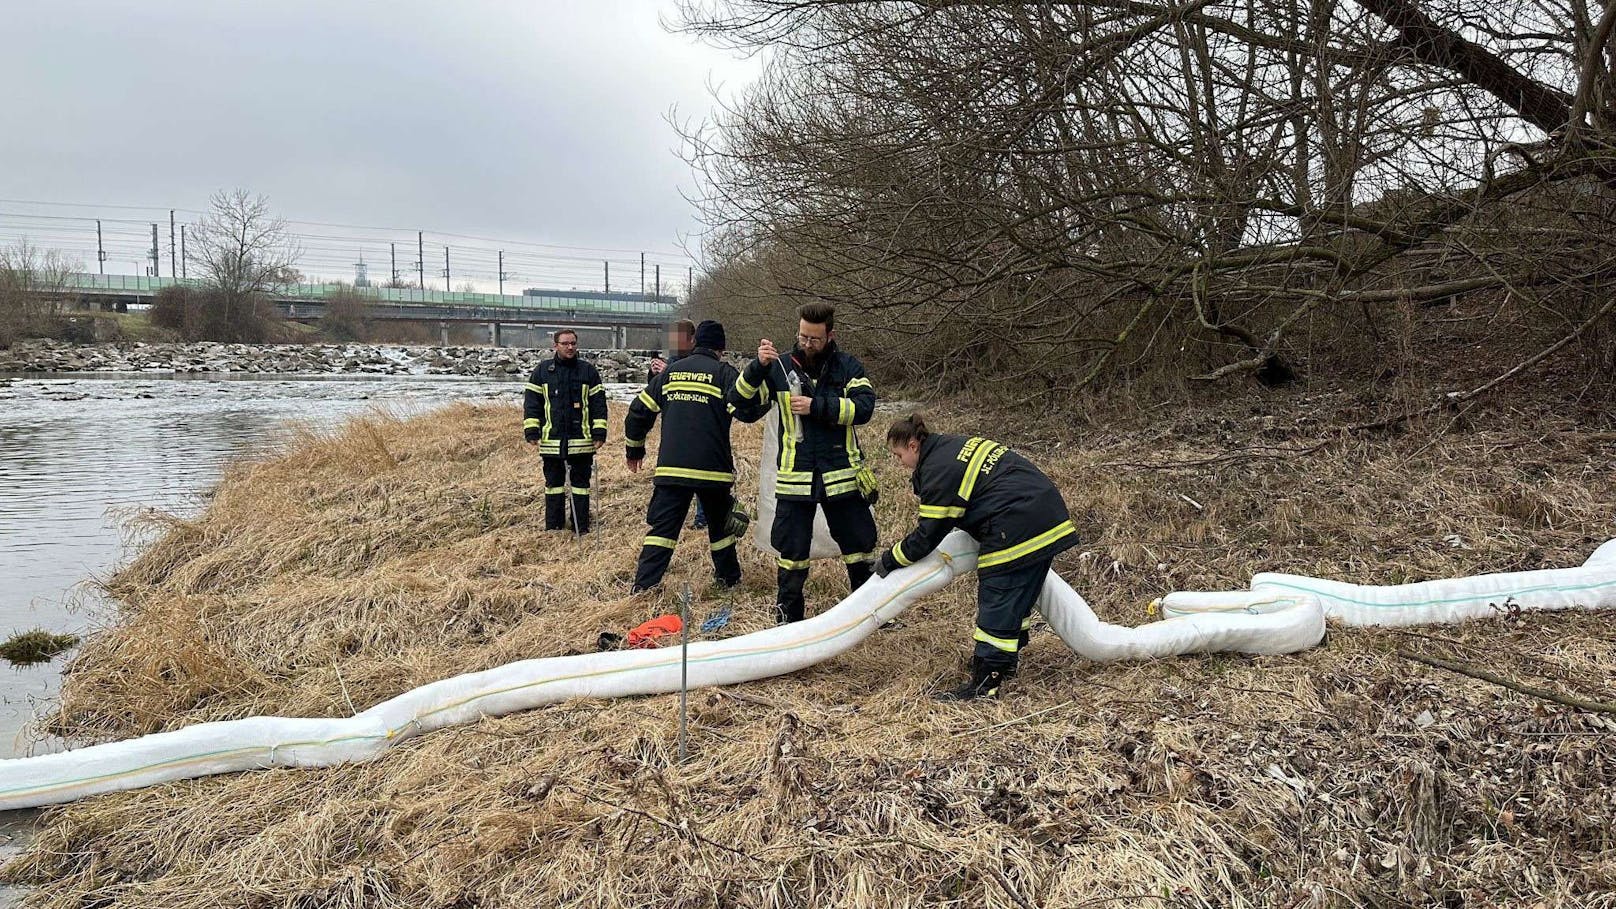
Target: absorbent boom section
{"x":1279,"y":614}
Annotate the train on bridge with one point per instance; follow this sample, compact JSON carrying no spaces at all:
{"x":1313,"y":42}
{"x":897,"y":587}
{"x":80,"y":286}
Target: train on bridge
{"x":603,"y":319}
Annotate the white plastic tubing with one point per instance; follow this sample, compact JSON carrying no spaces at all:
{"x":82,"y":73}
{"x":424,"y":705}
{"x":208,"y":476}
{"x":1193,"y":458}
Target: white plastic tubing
{"x":1280,"y":614}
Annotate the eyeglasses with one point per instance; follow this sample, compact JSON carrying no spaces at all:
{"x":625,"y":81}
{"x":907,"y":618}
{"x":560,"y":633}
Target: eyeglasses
{"x":806,"y":341}
{"x":566,"y":343}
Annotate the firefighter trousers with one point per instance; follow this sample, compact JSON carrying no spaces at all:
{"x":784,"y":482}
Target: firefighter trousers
{"x":665,"y":517}
{"x":555,"y":490}
{"x":852,"y":526}
{"x":1004,"y":604}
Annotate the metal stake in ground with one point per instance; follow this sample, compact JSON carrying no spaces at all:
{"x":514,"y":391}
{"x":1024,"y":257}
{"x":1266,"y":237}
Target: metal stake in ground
{"x":572,"y":499}
{"x":684,"y":667}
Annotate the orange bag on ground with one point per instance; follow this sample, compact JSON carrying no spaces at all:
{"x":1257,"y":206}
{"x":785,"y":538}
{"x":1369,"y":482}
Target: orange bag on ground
{"x":646,"y":634}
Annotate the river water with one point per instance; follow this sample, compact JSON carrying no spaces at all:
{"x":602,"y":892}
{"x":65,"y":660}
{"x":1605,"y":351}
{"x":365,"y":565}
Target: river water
{"x":79,"y":454}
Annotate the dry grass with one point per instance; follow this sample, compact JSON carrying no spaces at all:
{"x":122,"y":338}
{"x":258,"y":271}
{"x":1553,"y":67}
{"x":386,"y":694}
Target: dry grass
{"x":394,"y":554}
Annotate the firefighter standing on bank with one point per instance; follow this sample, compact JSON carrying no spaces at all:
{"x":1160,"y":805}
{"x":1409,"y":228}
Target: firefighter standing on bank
{"x":681,"y":340}
{"x":564,"y":414}
{"x":1012,"y":510}
{"x":822,"y":393}
{"x":694,"y":459}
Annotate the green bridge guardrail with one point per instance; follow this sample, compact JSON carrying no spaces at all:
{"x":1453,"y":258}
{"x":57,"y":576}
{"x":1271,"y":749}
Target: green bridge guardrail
{"x":571,"y":301}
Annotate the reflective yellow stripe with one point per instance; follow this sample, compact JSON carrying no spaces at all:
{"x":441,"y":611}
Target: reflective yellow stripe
{"x":791,"y":564}
{"x":942,"y":511}
{"x":898,"y":556}
{"x":583,"y":414}
{"x":836,"y":476}
{"x":635,"y":443}
{"x":689,"y":474}
{"x":700,"y":387}
{"x":538,"y":389}
{"x":1026,"y":623}
{"x":580,"y":490}
{"x":1008,"y":645}
{"x":531,"y":423}
{"x":860,"y":382}
{"x":974,"y":468}
{"x":851,"y":557}
{"x":648,"y":401}
{"x":725,"y":543}
{"x":844,"y":413}
{"x":747,"y":389}
{"x":664,"y":542}
{"x":788,"y":434}
{"x":555,"y":490}
{"x":795,"y":477}
{"x":988,"y":560}
{"x":836,"y":489}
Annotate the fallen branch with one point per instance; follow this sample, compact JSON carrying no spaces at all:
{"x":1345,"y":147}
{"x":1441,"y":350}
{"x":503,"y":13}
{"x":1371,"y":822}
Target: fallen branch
{"x":1511,"y":684}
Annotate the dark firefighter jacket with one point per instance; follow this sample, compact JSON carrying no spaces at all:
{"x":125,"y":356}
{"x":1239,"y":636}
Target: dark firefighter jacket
{"x":563,"y":405}
{"x":993,"y":494}
{"x":690,"y":395}
{"x":822,"y":442}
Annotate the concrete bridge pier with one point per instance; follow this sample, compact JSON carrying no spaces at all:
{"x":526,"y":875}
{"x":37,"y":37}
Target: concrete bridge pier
{"x":443,"y":334}
{"x":494,"y":334}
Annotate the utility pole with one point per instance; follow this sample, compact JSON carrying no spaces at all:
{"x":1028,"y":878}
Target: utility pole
{"x":173,"y":265}
{"x":642,"y":274}
{"x":502,"y":272}
{"x":392,"y":251}
{"x":608,"y":264}
{"x":156,"y":263}
{"x":658,"y":284}
{"x":100,"y":251}
{"x":182,"y":252}
{"x":690,"y":281}
{"x":445,"y":269}
{"x":420,"y":261}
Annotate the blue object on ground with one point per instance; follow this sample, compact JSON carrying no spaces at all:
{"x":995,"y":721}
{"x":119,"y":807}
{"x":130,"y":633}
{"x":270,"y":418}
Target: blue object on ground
{"x":717,"y":620}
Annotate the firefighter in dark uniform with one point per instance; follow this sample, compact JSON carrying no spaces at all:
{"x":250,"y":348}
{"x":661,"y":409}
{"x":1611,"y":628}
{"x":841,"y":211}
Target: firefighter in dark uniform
{"x":822,"y":393}
{"x":681,"y":338}
{"x":1012,"y":510}
{"x":564,"y":414}
{"x":694,"y":459}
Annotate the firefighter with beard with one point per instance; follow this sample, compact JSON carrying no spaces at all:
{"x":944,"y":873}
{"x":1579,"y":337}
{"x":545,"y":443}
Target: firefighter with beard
{"x":822,"y":394}
{"x":564,"y":415}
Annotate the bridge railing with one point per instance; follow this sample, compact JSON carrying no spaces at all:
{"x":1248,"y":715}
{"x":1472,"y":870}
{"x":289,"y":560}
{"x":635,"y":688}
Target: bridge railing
{"x":571,"y":301}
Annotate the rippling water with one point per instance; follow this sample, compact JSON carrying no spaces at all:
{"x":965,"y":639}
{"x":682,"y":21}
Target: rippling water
{"x":79,"y":454}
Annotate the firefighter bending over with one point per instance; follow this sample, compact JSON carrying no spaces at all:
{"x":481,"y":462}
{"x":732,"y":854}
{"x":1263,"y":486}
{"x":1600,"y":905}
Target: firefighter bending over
{"x":1012,"y":510}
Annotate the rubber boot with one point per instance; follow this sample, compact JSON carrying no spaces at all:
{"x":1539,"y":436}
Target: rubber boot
{"x":985,"y":682}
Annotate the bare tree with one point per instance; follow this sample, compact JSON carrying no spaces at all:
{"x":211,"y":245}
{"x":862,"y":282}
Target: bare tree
{"x":33,"y":291}
{"x":1069,"y":192}
{"x":242,"y":251}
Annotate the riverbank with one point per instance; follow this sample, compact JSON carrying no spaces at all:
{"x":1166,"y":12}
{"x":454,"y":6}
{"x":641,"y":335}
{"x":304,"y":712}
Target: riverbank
{"x":47,"y":356}
{"x":359,"y":564}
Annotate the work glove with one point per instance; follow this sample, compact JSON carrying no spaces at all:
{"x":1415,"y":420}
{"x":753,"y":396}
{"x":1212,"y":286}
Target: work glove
{"x":878,"y":567}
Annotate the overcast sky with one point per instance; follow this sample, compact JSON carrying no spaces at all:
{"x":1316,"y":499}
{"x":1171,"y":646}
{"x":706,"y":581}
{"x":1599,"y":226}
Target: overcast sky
{"x":537,"y":120}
